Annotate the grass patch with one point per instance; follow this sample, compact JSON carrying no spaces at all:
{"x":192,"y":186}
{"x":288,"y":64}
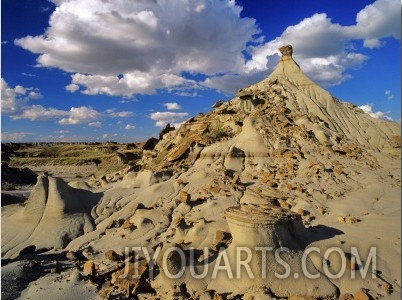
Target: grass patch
{"x":108,"y":157}
{"x":216,"y":133}
{"x":62,"y":161}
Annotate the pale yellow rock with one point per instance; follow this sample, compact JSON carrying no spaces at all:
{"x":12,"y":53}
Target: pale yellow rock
{"x":360,"y":295}
{"x":341,"y":219}
{"x":89,"y":268}
{"x":268,"y":134}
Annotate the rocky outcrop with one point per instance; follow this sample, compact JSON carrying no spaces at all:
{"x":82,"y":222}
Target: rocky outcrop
{"x":281,"y":155}
{"x":53,"y":215}
{"x":150,"y":144}
{"x":16,"y":175}
{"x":181,"y":148}
{"x":290,"y":109}
{"x":261,"y":228}
{"x":165,"y":130}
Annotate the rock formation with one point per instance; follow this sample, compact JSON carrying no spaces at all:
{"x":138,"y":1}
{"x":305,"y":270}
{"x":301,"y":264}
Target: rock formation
{"x":265,"y":168}
{"x":263,"y":229}
{"x":52,"y":216}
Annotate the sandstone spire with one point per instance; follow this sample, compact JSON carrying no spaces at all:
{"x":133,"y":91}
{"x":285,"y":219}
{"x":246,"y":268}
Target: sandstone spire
{"x":286,"y":51}
{"x":337,"y":118}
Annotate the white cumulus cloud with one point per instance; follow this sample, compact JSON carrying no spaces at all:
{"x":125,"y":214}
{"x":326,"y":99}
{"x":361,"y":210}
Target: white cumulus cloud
{"x":323,"y":49}
{"x":368,"y":109}
{"x":136,"y":47}
{"x":389,"y":95}
{"x":378,"y":20}
{"x":15,"y":103}
{"x":123,"y":48}
{"x":129,"y":127}
{"x":72,"y":87}
{"x":79,"y":115}
{"x":95,"y":124}
{"x":172,"y":106}
{"x":39,"y":113}
{"x":14,"y":100}
{"x":163,"y":118}
{"x":119,"y":114}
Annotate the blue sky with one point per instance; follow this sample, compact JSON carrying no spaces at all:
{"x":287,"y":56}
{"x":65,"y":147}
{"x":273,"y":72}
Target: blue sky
{"x":119,"y":70}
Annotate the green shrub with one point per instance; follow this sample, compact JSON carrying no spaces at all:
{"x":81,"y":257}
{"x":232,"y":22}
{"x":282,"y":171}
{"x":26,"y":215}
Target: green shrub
{"x":7,"y":186}
{"x":217,"y":133}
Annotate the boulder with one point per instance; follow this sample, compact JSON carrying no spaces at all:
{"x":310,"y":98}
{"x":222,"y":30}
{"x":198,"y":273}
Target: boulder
{"x":222,"y":239}
{"x":218,"y":104}
{"x":165,"y":130}
{"x":112,"y":255}
{"x":361,"y":295}
{"x":184,"y":197}
{"x":89,"y":268}
{"x":183,"y":146}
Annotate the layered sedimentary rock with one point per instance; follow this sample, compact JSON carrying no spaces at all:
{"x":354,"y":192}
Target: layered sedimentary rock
{"x":253,"y":172}
{"x":266,"y":240}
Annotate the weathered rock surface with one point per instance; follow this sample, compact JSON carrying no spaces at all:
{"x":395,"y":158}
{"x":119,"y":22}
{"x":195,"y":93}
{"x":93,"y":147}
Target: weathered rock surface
{"x":233,"y":177}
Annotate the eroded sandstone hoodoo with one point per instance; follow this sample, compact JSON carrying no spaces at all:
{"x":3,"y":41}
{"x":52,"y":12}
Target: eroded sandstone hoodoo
{"x":267,"y":251}
{"x":286,"y":51}
{"x":52,"y":216}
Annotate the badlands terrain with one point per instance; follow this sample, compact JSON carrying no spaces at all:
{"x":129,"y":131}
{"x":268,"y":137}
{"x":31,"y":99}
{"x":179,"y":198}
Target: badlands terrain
{"x":283,"y":192}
